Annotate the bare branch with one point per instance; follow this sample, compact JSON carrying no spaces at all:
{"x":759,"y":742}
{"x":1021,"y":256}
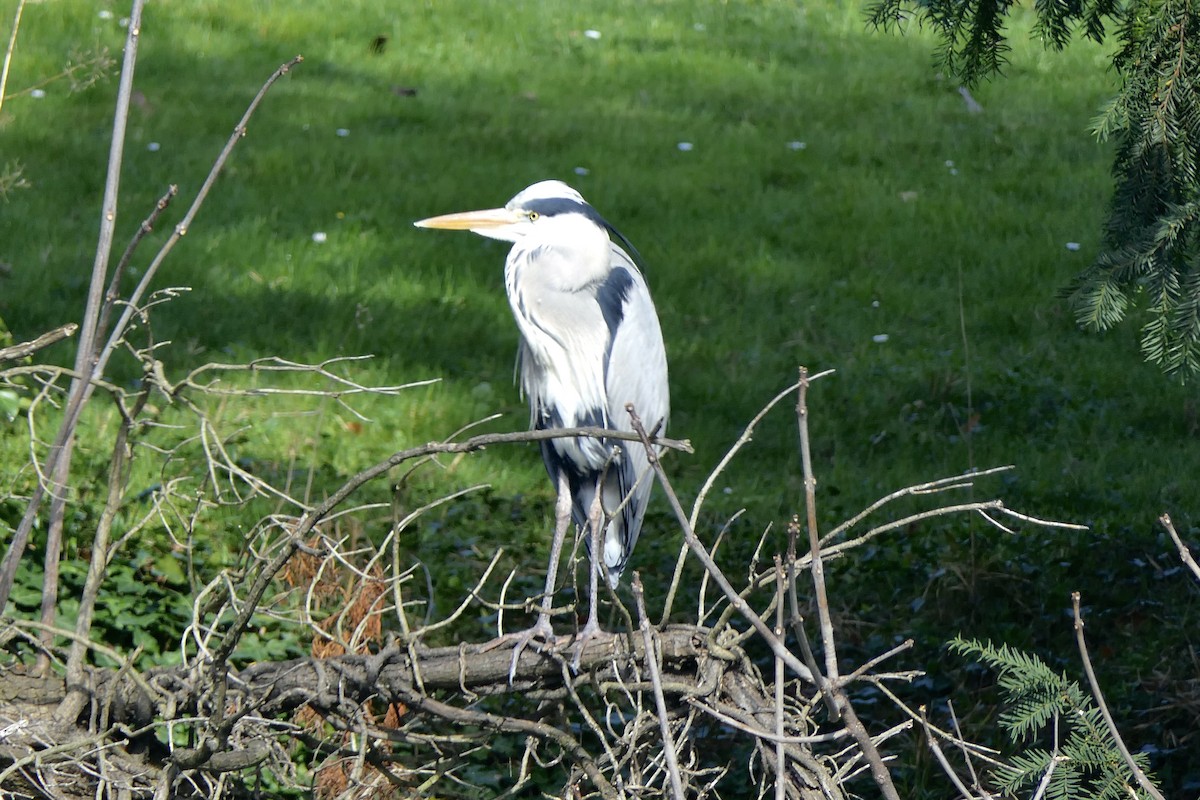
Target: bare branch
{"x":24,"y":349}
{"x":1185,"y":555}
{"x":8,"y":54}
{"x":736,"y":600}
{"x":90,"y":362}
{"x":656,"y":681}
{"x":961,"y":481}
{"x":114,"y":286}
{"x":936,"y":749}
{"x":816,"y":563}
{"x":1098,"y":696}
{"x":1046,"y":523}
{"x":780,"y":682}
{"x":742,"y":440}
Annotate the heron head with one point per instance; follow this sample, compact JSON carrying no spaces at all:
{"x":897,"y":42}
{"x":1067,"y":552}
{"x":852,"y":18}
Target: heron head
{"x":533,"y":206}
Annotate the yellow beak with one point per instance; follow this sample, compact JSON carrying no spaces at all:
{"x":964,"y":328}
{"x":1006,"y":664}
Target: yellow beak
{"x":473,"y":220}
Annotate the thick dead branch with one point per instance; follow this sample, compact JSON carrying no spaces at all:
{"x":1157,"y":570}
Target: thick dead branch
{"x":24,"y":349}
{"x":337,"y":689}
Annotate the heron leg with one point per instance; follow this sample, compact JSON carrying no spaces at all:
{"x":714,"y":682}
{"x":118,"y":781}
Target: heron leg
{"x":562,"y":521}
{"x":542,"y":629}
{"x":596,"y":523}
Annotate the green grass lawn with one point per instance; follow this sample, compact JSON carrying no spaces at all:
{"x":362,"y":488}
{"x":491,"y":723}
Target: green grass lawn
{"x":838,"y":191}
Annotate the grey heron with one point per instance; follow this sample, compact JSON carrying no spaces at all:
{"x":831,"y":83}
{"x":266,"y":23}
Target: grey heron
{"x":590,"y":343}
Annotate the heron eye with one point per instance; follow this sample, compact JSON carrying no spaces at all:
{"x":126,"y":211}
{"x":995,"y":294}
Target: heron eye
{"x":533,"y":216}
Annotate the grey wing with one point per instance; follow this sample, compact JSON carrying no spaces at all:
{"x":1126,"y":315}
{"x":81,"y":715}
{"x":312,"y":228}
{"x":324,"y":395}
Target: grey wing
{"x":635,"y":372}
{"x":636,"y":361}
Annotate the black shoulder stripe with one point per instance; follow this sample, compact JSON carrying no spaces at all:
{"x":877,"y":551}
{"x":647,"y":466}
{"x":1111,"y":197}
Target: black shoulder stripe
{"x":611,"y":295}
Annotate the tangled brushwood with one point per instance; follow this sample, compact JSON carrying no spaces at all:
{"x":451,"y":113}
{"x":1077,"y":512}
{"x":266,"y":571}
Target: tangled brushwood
{"x":750,"y":697}
{"x":656,"y":709}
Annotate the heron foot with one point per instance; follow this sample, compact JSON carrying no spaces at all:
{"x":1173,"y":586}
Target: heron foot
{"x":591,"y":630}
{"x":541,"y":631}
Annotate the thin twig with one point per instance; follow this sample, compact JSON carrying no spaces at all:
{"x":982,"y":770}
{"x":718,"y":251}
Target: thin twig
{"x":904,"y":522}
{"x":986,"y":753}
{"x":742,"y":440}
{"x":702,"y":593}
{"x":736,"y":600}
{"x":874,"y":662}
{"x":816,"y":563}
{"x":1044,"y":783}
{"x":762,"y":733}
{"x":90,"y":363}
{"x":960,"y":481}
{"x":780,"y":680}
{"x":102,"y":649}
{"x":496,"y":722}
{"x":184,"y":225}
{"x":311,"y":518}
{"x":1047,"y":523}
{"x":797,"y":619}
{"x":1142,"y":780}
{"x":114,"y":284}
{"x":660,"y":702}
{"x":703,"y":493}
{"x":936,"y":749}
{"x":966,"y":751}
{"x":967,"y":429}
{"x":810,"y":505}
{"x":1185,"y":554}
{"x":8,"y":54}
{"x":828,"y":682}
{"x":118,"y":478}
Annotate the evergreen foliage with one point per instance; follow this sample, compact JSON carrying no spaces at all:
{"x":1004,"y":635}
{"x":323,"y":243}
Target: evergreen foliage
{"x":1045,"y":706}
{"x":1152,"y":236}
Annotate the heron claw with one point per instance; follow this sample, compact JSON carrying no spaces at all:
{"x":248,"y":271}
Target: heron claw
{"x":541,"y":630}
{"x":588,"y":632}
